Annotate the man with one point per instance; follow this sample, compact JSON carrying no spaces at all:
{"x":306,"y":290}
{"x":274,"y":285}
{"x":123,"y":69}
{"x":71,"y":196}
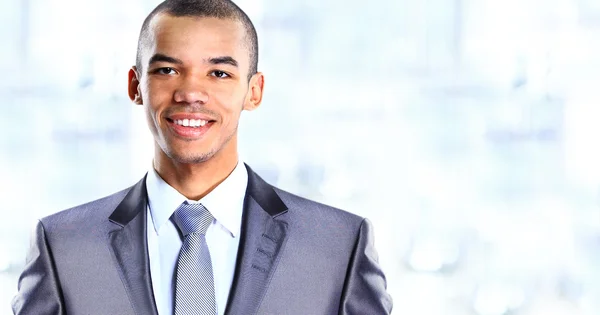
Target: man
{"x":201,"y":233}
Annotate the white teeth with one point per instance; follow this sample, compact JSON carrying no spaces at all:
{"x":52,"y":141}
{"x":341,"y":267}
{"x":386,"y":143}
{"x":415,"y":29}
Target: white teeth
{"x":190,"y":122}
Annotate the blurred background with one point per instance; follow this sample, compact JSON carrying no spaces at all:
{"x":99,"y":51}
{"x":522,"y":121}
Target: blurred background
{"x":466,"y":130}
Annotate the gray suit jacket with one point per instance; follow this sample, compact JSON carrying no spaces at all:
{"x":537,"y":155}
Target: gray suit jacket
{"x":295,"y":257}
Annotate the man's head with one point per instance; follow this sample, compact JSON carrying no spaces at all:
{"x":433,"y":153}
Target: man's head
{"x":221,"y":9}
{"x":195,"y":72}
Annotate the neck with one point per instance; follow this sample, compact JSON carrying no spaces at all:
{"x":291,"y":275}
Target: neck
{"x":194,"y":180}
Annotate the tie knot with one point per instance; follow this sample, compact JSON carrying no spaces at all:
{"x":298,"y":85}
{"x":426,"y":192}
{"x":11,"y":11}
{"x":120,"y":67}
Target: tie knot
{"x":192,"y":218}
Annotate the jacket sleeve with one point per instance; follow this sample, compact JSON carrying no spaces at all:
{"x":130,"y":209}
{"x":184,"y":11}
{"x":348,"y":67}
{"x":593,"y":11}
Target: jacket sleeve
{"x":39,"y":290}
{"x":365,"y":286}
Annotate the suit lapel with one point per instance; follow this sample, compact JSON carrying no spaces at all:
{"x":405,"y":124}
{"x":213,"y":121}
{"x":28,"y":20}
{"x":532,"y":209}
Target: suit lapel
{"x":263,"y":235}
{"x":129,"y":247}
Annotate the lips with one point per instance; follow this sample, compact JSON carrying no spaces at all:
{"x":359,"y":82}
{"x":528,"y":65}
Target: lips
{"x":194,"y":123}
{"x":194,"y":116}
{"x":189,"y":126}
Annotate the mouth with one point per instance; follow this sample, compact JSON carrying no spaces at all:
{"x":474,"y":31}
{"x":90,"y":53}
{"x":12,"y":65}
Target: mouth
{"x":191,"y":123}
{"x":189,"y":128}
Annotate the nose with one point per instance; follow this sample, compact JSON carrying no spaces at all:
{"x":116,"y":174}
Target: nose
{"x":191,"y":91}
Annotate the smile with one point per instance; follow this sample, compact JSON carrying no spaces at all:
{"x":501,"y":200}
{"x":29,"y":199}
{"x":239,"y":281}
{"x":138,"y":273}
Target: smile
{"x":189,"y":129}
{"x":194,"y":123}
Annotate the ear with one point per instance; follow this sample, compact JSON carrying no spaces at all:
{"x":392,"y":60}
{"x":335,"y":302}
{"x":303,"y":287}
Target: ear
{"x":133,"y":87}
{"x":255,"y":92}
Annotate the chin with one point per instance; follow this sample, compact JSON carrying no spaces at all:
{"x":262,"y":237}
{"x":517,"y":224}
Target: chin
{"x":187,"y":158}
{"x":186,"y":152}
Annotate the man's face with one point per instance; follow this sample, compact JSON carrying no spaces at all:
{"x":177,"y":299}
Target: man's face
{"x":193,"y":82}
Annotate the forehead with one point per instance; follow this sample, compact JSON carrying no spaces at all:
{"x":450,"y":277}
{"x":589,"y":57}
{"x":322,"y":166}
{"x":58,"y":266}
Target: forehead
{"x":193,"y":38}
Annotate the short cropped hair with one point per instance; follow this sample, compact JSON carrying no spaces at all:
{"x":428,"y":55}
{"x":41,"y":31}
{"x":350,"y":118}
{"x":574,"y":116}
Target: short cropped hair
{"x":221,"y":9}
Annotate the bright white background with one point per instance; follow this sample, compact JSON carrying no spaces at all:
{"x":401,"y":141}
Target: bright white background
{"x":466,"y":130}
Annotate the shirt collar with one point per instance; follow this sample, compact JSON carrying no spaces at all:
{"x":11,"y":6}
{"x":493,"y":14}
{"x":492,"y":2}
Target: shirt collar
{"x":225,"y":202}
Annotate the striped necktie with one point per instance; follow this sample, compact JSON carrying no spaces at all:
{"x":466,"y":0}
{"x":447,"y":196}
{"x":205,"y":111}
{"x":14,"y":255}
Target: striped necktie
{"x":194,"y":289}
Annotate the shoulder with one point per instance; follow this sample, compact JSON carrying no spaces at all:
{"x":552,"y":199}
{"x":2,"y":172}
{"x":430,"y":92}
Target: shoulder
{"x":84,"y":215}
{"x":318,"y":230}
{"x":297,"y":208}
{"x":302,"y":208}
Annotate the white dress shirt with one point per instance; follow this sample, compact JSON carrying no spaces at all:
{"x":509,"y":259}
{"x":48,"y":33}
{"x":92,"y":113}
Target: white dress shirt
{"x":225,"y":203}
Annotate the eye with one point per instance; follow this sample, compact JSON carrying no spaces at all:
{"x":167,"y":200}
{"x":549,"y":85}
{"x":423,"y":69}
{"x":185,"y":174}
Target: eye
{"x":165,"y":71}
{"x":219,"y":74}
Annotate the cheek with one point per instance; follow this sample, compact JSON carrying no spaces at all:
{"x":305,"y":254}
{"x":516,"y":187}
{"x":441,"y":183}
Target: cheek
{"x":156,"y":99}
{"x":158,"y":92}
{"x":235,"y":103}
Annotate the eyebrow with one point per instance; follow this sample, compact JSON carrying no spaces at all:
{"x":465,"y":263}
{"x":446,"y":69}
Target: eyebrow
{"x":223,"y":60}
{"x":164,"y":58}
{"x":214,"y":61}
